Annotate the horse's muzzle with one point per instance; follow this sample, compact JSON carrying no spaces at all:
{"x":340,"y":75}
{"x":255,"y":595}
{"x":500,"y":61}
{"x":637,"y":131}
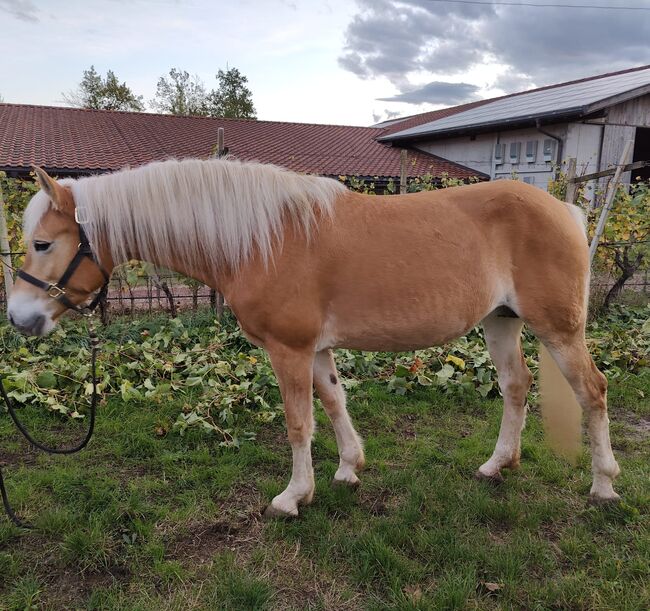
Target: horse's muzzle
{"x":33,"y":325}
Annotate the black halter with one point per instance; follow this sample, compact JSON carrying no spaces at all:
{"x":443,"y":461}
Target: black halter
{"x":57,"y":290}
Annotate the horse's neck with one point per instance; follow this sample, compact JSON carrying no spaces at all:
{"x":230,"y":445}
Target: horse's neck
{"x":202,"y":271}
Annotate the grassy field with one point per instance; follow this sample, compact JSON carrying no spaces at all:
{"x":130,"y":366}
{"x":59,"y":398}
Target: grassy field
{"x":148,"y":519}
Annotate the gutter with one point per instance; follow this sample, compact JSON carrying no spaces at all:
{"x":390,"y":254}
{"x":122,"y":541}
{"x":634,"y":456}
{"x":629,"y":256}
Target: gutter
{"x":560,"y":146}
{"x":17,"y":171}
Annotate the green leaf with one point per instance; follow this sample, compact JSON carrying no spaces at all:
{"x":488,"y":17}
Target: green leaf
{"x":46,"y":379}
{"x":444,"y":374}
{"x":401,"y":371}
{"x":484,"y":389}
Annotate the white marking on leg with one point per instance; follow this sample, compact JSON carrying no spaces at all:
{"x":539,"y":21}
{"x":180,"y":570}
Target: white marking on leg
{"x":332,"y":395}
{"x":507,"y":449}
{"x":301,"y":486}
{"x":604,"y":465}
{"x":350,"y":449}
{"x":502,"y":335}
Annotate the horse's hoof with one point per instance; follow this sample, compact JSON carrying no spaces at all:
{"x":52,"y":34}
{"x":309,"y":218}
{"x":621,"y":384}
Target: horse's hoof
{"x":495,"y":479}
{"x":344,"y":483}
{"x":603,"y":501}
{"x":272,"y":513}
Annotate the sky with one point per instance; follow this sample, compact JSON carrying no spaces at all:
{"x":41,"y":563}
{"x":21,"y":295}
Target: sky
{"x":349,"y":62}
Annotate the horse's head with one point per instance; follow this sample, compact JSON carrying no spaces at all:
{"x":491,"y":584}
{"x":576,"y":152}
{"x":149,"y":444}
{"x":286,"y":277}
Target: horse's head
{"x":58,"y":272}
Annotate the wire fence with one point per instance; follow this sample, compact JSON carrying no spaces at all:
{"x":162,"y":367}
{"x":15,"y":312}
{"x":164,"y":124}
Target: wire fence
{"x":161,"y":291}
{"x":171,"y":292}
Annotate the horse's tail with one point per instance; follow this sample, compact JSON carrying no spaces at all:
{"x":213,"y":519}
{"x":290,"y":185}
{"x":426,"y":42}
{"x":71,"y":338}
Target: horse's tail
{"x":561,"y":412}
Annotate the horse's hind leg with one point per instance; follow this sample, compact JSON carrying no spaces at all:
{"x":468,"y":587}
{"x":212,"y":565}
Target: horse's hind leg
{"x":332,"y":396}
{"x":503,"y":339}
{"x":590,"y":387}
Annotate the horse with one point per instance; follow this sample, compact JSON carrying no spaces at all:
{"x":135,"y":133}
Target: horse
{"x":308,"y":266}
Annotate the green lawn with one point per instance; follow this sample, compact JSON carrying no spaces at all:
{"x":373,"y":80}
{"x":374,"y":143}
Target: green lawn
{"x":147,"y":520}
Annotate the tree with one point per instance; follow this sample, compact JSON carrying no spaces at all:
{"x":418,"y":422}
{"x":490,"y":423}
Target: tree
{"x":233,"y":99}
{"x":180,"y":94}
{"x":183,"y":94}
{"x":103,"y":93}
{"x":625,"y":248}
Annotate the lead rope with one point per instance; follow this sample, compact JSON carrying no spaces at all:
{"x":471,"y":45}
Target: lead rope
{"x":94,"y":349}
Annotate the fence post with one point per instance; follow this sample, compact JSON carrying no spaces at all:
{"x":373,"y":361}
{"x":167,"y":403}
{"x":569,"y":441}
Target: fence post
{"x":220,"y":142}
{"x":571,"y":185}
{"x":609,"y":200}
{"x":403,"y":159}
{"x":5,"y":249}
{"x":216,"y":299}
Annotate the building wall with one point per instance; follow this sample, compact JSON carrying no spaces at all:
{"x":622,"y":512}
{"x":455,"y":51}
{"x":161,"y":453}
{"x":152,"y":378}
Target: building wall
{"x":474,"y":152}
{"x":596,"y":145}
{"x":479,"y":153}
{"x":583,"y":143}
{"x":621,"y":123}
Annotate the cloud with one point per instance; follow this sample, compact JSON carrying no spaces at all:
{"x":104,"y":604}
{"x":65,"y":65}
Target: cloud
{"x":437,"y":92}
{"x":21,"y":9}
{"x":404,"y":40}
{"x":387,"y":115}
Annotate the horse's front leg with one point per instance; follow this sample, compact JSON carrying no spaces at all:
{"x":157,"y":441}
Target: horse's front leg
{"x":331,"y":393}
{"x":293,"y":369}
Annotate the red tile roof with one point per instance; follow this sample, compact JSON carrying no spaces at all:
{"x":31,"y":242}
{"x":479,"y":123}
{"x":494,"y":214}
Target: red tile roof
{"x":77,"y":140}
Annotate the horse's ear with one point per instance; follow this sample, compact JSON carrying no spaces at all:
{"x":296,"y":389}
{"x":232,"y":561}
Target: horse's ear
{"x":53,"y":189}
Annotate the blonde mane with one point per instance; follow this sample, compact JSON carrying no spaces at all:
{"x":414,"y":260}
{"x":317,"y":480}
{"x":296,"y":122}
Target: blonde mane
{"x":220,"y":209}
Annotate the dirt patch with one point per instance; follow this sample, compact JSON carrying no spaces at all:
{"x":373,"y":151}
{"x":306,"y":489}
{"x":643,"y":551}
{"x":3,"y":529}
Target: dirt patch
{"x":637,"y":428}
{"x":378,"y":502}
{"x":65,"y":588}
{"x":641,"y":427}
{"x":206,"y":540}
{"x":22,"y":458}
{"x":405,"y":426}
{"x":238,"y":528}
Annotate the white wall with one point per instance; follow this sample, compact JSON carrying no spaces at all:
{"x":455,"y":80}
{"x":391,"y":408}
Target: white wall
{"x":583,"y":142}
{"x":595,"y":146}
{"x":474,"y":153}
{"x":478,"y":153}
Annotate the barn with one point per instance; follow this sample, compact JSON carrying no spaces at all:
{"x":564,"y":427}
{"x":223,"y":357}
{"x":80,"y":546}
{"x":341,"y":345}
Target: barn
{"x":529,"y":134}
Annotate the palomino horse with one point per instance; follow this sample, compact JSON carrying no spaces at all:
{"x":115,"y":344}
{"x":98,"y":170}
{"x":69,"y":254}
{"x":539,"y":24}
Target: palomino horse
{"x":308,"y":266}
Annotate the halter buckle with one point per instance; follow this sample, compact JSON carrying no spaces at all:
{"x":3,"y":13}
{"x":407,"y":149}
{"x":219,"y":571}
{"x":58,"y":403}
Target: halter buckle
{"x":55,"y":291}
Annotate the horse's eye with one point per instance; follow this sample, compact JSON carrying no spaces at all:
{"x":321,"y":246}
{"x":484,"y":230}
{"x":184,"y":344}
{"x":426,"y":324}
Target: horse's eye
{"x":40,"y":246}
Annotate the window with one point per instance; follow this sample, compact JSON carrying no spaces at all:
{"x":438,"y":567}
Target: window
{"x":529,"y":180}
{"x":499,"y":153}
{"x":531,"y":151}
{"x":549,"y":149}
{"x":515,"y":151}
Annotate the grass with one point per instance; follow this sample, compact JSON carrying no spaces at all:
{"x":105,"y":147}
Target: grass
{"x":144,"y":521}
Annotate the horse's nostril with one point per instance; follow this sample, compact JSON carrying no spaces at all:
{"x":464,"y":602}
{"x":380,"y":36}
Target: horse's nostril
{"x":37,"y":325}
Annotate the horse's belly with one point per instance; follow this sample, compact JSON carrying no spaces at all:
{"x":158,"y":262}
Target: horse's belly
{"x":405,"y":335}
